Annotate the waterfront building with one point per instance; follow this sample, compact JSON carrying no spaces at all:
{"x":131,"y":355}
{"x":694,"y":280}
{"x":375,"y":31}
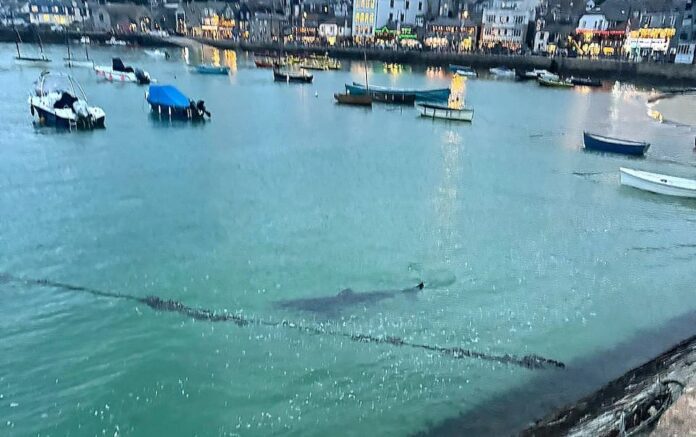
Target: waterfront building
{"x":602,"y":31}
{"x":333,"y":29}
{"x":506,"y":24}
{"x":451,"y":34}
{"x":554,"y":25}
{"x":55,"y":12}
{"x":121,"y":18}
{"x":653,"y":36}
{"x":389,"y":15}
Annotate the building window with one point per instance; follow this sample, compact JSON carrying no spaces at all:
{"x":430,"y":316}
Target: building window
{"x":391,"y":3}
{"x":101,"y":17}
{"x":402,"y":17}
{"x":407,"y":4}
{"x":420,"y":6}
{"x":391,"y":16}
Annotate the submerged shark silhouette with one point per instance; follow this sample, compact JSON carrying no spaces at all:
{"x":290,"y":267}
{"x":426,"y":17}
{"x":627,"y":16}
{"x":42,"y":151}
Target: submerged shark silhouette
{"x":332,"y":305}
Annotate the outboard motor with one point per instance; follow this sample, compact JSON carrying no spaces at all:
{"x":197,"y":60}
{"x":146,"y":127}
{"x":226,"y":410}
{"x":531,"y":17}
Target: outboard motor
{"x":142,"y":76}
{"x":84,"y":118}
{"x":200,"y":106}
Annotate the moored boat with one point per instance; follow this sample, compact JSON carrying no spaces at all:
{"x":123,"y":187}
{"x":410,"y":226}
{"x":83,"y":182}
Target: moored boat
{"x":553,"y":81}
{"x":466,"y":72}
{"x":38,"y":61}
{"x":286,"y":75}
{"x":118,"y":72}
{"x":658,"y":183}
{"x":395,"y":94}
{"x":502,"y":72}
{"x":353,"y":99}
{"x":60,"y":102}
{"x":445,"y":112}
{"x":585,"y":81}
{"x":603,"y":143}
{"x":167,"y":101}
{"x":264,"y":63}
{"x":211,"y":69}
{"x":72,"y":62}
{"x":157,"y":53}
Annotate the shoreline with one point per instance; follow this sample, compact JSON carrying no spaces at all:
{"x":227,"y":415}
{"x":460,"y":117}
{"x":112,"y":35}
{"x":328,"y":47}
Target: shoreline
{"x":535,"y":407}
{"x":664,"y":74}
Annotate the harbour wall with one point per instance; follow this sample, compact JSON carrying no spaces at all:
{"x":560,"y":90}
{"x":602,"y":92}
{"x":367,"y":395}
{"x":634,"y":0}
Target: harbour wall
{"x":7,"y":34}
{"x":672,"y":74}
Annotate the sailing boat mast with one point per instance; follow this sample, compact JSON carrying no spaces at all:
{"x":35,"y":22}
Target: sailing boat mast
{"x":67,"y":42}
{"x":38,"y":35}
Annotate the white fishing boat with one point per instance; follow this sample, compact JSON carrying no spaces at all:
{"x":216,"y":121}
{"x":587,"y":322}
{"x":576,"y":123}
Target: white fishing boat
{"x":121,"y":73}
{"x":60,"y":102}
{"x":444,"y":112}
{"x":502,"y":72}
{"x":115,"y":42}
{"x":466,"y":72}
{"x":36,"y":61}
{"x":533,"y":74}
{"x":454,"y":108}
{"x":157,"y":53}
{"x":72,"y":62}
{"x":658,"y":183}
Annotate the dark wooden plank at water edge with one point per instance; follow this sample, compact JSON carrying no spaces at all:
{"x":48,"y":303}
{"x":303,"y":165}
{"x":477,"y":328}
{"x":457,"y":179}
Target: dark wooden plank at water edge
{"x":517,"y":410}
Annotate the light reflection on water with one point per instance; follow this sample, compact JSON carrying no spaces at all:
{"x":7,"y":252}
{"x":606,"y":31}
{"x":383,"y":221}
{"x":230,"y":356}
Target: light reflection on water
{"x":286,"y":195}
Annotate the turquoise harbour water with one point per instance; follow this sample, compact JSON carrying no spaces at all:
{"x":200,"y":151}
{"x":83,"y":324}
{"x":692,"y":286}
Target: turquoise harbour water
{"x":286,"y":195}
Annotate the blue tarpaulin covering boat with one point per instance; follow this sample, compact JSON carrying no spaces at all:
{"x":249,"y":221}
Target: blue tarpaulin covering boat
{"x":399,"y":94}
{"x":601,"y":143}
{"x":168,"y":101}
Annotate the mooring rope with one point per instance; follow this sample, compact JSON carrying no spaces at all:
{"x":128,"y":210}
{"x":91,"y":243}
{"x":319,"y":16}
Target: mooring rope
{"x":158,"y":304}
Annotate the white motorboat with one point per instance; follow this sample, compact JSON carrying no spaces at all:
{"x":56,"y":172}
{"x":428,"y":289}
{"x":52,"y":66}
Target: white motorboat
{"x":72,"y":62}
{"x":534,"y":74}
{"x":466,"y":72}
{"x":36,"y":61}
{"x":502,"y":72}
{"x":115,"y":42}
{"x":59,"y":101}
{"x":157,"y":53}
{"x":121,"y":73}
{"x":658,"y":183}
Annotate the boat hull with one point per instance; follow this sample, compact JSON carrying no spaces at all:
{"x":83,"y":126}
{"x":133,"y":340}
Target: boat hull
{"x":431,"y":95}
{"x":443,"y":113}
{"x":354,"y":99}
{"x":49,"y":118}
{"x":657,"y":183}
{"x":175,"y":113}
{"x":280,"y":76}
{"x":114,"y":76}
{"x":551,"y":83}
{"x":614,"y":145}
{"x":201,"y":69}
{"x":579,"y":81}
{"x":32,"y":62}
{"x":73,"y":63}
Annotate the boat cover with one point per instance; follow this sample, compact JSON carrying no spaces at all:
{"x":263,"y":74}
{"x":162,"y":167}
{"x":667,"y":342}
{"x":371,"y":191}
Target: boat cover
{"x":117,"y":65}
{"x":167,"y":95}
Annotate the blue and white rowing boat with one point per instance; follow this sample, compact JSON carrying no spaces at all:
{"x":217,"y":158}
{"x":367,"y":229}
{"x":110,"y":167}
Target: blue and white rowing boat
{"x":602,"y":143}
{"x":168,"y":101}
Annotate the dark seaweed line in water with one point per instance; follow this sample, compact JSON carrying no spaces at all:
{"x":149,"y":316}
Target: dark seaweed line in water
{"x":158,"y":304}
